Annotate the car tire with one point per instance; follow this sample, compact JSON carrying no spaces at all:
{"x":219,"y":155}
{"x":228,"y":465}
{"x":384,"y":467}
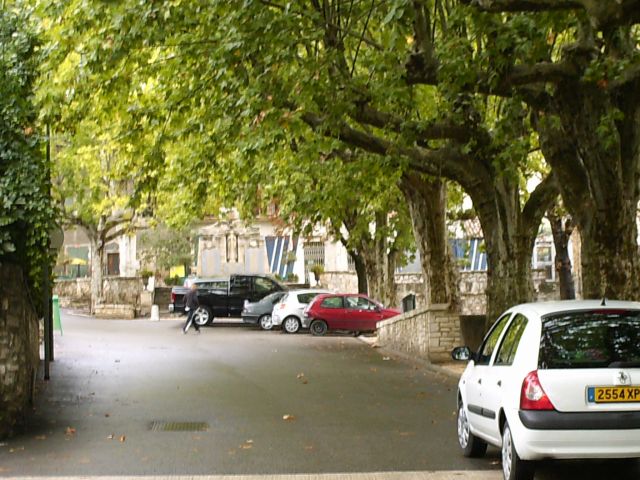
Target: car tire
{"x":202,"y":316}
{"x":265,"y":322}
{"x":513,"y":467}
{"x":318,"y":328}
{"x":471,"y":445}
{"x":291,"y":325}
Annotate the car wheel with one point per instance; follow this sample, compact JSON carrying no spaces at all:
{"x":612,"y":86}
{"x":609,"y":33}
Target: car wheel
{"x":265,"y":322}
{"x":513,"y":468}
{"x":471,"y":445}
{"x":291,"y":325}
{"x":318,"y":328}
{"x":202,"y":316}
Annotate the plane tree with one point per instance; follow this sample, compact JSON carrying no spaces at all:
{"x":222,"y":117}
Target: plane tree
{"x":246,"y":80}
{"x":356,"y":199}
{"x":576,"y":65}
{"x":92,"y":190}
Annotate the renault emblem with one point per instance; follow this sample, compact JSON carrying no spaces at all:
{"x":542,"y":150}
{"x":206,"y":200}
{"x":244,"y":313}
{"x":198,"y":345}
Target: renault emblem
{"x":623,"y":378}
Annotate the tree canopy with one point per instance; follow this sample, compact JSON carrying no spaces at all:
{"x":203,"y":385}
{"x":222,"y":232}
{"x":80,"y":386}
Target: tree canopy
{"x":463,"y":90}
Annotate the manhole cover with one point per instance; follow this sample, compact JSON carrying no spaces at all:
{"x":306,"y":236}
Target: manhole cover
{"x":179,"y":426}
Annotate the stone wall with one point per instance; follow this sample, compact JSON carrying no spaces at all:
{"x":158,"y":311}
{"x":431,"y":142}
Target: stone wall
{"x":121,"y":295}
{"x":122,"y":290}
{"x":472,"y":288}
{"x":428,"y":333}
{"x":19,"y":348}
{"x":339,"y":281}
{"x":73,"y":292}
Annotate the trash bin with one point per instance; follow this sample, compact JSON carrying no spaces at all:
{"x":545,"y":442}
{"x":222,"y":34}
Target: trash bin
{"x":55,"y":309}
{"x":409,"y":303}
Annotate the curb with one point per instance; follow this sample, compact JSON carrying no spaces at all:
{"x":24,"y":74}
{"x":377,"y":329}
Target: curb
{"x":451,"y":373}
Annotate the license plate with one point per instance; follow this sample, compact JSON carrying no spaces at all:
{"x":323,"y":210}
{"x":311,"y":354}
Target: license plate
{"x":613,"y":394}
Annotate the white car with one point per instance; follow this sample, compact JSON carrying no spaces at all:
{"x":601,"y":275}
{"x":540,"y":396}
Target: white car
{"x":289,"y":312}
{"x":553,"y":380}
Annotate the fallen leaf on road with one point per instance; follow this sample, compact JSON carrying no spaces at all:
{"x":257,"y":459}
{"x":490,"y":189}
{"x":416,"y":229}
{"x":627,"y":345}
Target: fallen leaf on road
{"x":122,"y":438}
{"x":407,"y":434}
{"x":373,"y":369}
{"x":110,"y":437}
{"x":288,"y":418}
{"x":308,"y":448}
{"x":17,"y":449}
{"x":246,"y":446}
{"x":41,"y":437}
{"x":107,"y":415}
{"x":300,"y":375}
{"x":70,"y":431}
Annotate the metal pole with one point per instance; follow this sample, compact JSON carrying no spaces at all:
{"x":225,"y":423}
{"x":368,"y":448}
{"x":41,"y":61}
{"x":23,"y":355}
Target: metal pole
{"x":46,"y":303}
{"x":50,"y":317}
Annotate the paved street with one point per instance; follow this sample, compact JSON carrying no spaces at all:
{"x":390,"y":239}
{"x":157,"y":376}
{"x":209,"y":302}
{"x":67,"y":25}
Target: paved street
{"x":272,"y":404}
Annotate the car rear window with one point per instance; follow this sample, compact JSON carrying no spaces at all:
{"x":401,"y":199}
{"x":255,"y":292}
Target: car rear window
{"x":591,"y":339}
{"x":306,"y":297}
{"x":332,"y":302}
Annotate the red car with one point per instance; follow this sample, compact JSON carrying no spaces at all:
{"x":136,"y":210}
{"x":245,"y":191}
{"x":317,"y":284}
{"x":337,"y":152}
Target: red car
{"x":343,"y":311}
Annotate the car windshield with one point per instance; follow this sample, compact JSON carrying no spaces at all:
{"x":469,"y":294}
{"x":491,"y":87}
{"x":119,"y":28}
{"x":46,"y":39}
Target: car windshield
{"x":590,"y":339}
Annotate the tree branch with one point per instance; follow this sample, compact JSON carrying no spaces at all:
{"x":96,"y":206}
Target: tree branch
{"x":432,"y":131}
{"x":500,"y":6}
{"x":518,"y":76}
{"x":436,"y":162}
{"x":540,"y":200}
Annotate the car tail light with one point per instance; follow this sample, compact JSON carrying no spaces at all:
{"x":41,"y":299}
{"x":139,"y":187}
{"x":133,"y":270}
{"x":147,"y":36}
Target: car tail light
{"x":173,"y":297}
{"x":280,"y":306}
{"x":532,"y":395}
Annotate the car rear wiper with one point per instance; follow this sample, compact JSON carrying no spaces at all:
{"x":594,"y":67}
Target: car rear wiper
{"x":624,"y":365}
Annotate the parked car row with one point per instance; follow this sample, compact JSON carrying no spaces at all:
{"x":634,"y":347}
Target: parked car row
{"x":320,"y":311}
{"x":262,"y":301}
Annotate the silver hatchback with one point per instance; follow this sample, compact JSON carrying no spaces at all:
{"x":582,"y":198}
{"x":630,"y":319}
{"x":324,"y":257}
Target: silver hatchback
{"x":289,"y":312}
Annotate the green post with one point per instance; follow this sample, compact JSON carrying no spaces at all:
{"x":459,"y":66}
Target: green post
{"x":57,"y":324}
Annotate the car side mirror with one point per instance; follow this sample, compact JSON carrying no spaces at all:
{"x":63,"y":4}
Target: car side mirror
{"x":461,"y":354}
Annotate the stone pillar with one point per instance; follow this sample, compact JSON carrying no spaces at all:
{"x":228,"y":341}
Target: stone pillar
{"x":19,"y":348}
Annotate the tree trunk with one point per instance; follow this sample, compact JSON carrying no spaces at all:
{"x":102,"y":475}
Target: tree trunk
{"x":361,"y":272}
{"x":509,"y":233}
{"x":593,"y":145}
{"x":609,"y":257}
{"x":380,"y":259}
{"x":427,"y":201}
{"x":561,"y":231}
{"x":97,"y":257}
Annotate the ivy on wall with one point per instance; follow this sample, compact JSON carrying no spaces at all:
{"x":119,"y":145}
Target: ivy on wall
{"x":26,"y":214}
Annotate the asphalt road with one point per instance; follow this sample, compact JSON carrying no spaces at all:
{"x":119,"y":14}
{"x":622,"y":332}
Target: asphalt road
{"x":272,"y":403}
